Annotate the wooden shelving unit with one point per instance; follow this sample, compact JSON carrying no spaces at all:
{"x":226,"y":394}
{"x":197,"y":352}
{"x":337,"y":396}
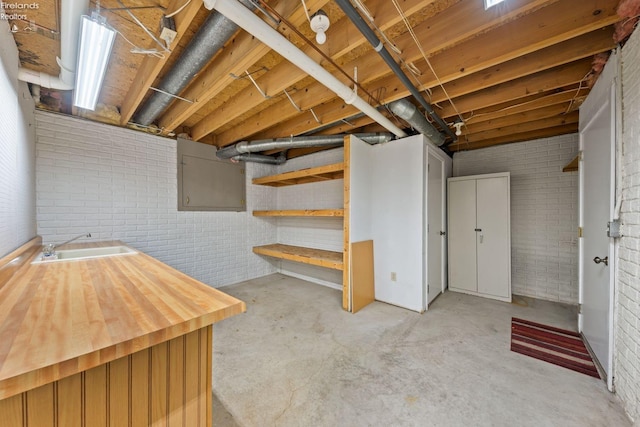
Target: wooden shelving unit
{"x":336,"y":260}
{"x":304,"y":212}
{"x":303,"y":176}
{"x":319,"y":257}
{"x":312,"y":256}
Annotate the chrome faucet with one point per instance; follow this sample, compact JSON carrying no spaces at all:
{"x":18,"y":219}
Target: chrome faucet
{"x":50,"y":249}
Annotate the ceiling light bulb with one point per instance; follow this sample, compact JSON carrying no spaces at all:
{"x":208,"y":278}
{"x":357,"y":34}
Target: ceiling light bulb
{"x":319,"y":24}
{"x":458,"y":126}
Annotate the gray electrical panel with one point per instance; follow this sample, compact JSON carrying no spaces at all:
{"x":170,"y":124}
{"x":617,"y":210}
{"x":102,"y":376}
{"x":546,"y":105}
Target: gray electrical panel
{"x":206,"y":183}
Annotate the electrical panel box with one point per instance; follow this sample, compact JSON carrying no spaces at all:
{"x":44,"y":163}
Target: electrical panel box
{"x":613,"y":229}
{"x":206,"y":183}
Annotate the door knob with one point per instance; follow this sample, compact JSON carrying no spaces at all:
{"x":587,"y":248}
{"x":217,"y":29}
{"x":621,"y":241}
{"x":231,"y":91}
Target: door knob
{"x":599,"y":260}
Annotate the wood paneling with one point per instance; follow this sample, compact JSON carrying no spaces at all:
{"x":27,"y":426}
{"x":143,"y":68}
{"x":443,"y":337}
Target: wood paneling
{"x":117,"y":393}
{"x":61,"y":318}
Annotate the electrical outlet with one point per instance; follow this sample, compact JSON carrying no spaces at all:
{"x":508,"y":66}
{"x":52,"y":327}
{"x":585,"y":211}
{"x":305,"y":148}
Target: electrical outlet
{"x":393,"y":276}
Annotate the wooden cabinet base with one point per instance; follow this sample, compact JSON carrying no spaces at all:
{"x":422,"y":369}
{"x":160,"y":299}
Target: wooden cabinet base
{"x":168,"y":384}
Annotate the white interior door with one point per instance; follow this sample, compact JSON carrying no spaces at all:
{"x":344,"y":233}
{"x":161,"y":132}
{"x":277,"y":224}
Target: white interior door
{"x":435,"y":227}
{"x":462,"y":235}
{"x":596,"y":284}
{"x":493,"y":237}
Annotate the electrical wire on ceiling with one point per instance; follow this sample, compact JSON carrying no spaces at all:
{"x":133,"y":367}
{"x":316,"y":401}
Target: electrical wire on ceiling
{"x":178,"y":10}
{"x":424,"y":56}
{"x":584,"y":79}
{"x":164,"y":48}
{"x":314,"y":47}
{"x":139,"y":50}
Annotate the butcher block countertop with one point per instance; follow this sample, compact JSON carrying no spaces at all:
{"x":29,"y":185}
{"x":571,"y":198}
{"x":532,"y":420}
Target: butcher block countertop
{"x":64,"y":317}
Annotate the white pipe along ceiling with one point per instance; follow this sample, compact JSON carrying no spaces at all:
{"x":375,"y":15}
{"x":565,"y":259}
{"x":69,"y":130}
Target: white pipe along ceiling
{"x":70,"y":13}
{"x":255,"y":26}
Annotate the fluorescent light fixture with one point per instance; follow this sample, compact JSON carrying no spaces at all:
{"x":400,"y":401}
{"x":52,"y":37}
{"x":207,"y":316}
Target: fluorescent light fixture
{"x":490,"y":3}
{"x":96,"y":41}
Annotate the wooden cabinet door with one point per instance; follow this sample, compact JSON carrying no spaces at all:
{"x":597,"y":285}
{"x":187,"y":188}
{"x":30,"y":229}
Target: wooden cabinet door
{"x":462,"y":235}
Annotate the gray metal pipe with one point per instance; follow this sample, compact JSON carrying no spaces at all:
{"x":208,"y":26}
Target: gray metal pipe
{"x":209,"y":39}
{"x":245,"y":147}
{"x":368,"y":33}
{"x":260,"y":158}
{"x":410,"y":113}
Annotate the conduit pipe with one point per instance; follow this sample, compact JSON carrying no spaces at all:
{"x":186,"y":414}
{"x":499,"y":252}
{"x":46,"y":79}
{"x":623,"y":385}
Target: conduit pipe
{"x":255,"y":26}
{"x":246,"y":147}
{"x":70,"y":13}
{"x":368,"y":33}
{"x":260,"y":158}
{"x":410,"y":114}
{"x":209,"y":39}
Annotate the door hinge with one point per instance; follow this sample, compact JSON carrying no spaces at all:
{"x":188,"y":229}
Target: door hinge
{"x":579,"y":232}
{"x":579,"y":308}
{"x":580,"y":155}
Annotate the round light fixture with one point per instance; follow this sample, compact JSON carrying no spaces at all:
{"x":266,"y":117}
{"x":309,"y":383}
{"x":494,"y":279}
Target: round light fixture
{"x":319,"y":24}
{"x":458,"y":126}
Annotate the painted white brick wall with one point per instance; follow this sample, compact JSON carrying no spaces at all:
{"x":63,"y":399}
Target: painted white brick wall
{"x":17,"y":151}
{"x":627,"y":332}
{"x":544,"y":212}
{"x":121,"y":185}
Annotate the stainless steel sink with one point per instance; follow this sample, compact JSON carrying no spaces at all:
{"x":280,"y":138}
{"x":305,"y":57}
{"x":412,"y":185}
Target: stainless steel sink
{"x":86,"y":253}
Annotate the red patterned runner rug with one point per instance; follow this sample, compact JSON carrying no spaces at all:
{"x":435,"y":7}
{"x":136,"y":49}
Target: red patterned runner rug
{"x":558,"y":346}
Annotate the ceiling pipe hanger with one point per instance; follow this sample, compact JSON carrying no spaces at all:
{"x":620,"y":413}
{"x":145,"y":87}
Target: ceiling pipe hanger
{"x":368,"y":33}
{"x":255,"y":26}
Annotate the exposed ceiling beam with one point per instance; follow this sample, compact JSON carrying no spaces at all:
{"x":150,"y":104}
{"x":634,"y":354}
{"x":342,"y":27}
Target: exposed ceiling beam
{"x":573,"y":96}
{"x":539,"y":82}
{"x":543,"y":81}
{"x":152,"y":65}
{"x":559,"y":29}
{"x":557,"y":110}
{"x":242,"y":53}
{"x":518,"y":137}
{"x":521,"y":128}
{"x":343,"y":39}
{"x":435,"y":33}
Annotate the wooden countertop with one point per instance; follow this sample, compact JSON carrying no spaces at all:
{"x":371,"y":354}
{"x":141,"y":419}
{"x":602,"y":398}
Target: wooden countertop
{"x":60,"y":318}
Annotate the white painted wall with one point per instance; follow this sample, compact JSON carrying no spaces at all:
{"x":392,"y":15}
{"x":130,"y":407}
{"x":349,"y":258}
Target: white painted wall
{"x":17,"y":151}
{"x":388,"y":205}
{"x":627,"y":330}
{"x":544,"y":212}
{"x":398,"y":223}
{"x":120,"y":184}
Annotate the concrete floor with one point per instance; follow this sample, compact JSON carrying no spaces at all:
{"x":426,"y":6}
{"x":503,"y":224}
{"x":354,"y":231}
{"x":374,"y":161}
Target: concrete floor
{"x":296,"y":359}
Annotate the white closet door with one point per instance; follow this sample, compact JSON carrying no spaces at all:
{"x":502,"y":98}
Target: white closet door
{"x":493,"y":241}
{"x":462,"y":235}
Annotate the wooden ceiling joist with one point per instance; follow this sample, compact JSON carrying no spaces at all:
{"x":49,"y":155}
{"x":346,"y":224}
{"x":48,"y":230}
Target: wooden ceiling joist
{"x":435,"y":34}
{"x":239,"y":56}
{"x":559,"y":28}
{"x":344,"y":39}
{"x":517,"y":137}
{"x":152,"y":65}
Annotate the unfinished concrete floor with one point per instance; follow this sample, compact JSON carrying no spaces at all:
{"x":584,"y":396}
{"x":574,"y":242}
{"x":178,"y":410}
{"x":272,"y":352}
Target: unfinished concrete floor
{"x":295,"y":358}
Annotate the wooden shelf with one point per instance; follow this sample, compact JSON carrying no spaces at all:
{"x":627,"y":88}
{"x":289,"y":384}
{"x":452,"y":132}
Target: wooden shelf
{"x":303,"y":176}
{"x":304,"y":212}
{"x":319,"y":257}
{"x":572,"y":165}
